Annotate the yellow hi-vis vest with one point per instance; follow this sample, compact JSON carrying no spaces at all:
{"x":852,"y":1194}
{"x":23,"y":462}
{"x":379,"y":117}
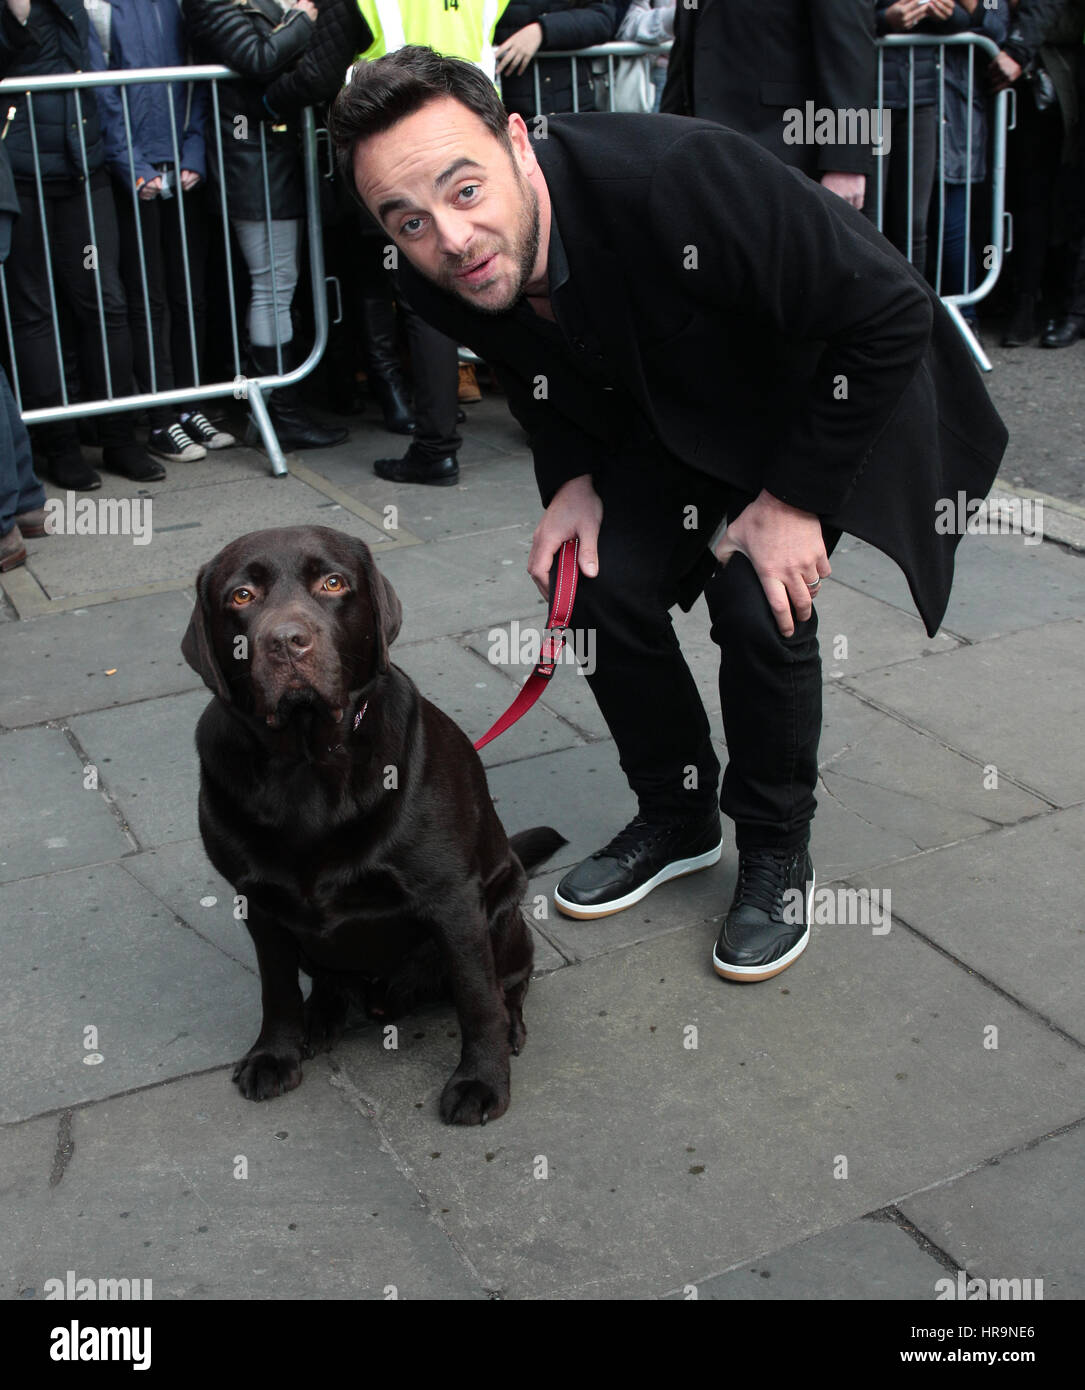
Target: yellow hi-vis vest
{"x":457,"y":28}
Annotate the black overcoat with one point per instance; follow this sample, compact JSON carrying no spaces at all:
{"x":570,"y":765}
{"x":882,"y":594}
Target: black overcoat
{"x":770,"y":336}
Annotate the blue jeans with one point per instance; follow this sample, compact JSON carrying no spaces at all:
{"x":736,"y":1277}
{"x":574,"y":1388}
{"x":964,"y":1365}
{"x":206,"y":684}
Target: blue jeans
{"x":20,"y":490}
{"x":955,"y":254}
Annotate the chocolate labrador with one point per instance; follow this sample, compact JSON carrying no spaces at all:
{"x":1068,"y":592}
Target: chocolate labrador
{"x":352,"y":817}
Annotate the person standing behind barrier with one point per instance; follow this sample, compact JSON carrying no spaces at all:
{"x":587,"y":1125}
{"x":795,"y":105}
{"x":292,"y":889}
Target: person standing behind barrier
{"x":530,"y":26}
{"x":22,"y":497}
{"x":1033,"y":150}
{"x":749,"y":63}
{"x":650,"y":21}
{"x":150,"y":34}
{"x":259,"y":39}
{"x":48,"y":37}
{"x":911,"y":73}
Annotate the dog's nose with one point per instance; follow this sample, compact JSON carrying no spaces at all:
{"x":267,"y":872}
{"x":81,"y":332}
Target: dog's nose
{"x":289,"y":639}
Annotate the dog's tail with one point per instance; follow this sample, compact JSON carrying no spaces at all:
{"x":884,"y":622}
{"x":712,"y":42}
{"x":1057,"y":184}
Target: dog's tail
{"x":533,"y":847}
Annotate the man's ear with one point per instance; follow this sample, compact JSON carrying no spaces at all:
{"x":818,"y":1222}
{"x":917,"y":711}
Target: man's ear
{"x":387,"y":609}
{"x":197,"y":645}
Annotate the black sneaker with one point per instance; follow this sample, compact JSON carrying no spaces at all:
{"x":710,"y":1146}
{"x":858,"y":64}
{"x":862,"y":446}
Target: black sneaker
{"x":172,"y":443}
{"x":768,"y":924}
{"x":638,"y":859}
{"x":130,"y":461}
{"x":199,"y":428}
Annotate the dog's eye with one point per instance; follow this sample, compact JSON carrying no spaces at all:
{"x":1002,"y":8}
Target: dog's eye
{"x":240,"y":597}
{"x":335,"y":584}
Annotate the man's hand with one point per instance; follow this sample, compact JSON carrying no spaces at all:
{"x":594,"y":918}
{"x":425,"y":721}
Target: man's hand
{"x":942,"y":9}
{"x":189,"y":179}
{"x":786,"y":548}
{"x":1003,"y":72}
{"x":306,"y":7}
{"x":150,"y":189}
{"x":850,"y":187}
{"x":519,"y":49}
{"x":20,"y":10}
{"x":905,"y":15}
{"x":576,"y":510}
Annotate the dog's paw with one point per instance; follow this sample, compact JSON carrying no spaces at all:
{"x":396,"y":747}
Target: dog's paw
{"x":261,"y":1075}
{"x":325,"y":1017}
{"x":469,"y":1100}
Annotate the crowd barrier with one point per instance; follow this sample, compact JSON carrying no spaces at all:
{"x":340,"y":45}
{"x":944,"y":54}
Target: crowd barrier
{"x":604,"y":59}
{"x":243,"y":385}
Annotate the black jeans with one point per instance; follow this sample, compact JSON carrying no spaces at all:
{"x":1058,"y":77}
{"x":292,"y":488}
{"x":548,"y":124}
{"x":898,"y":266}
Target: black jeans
{"x":170,"y":345}
{"x":74,"y":252}
{"x":658,"y":518}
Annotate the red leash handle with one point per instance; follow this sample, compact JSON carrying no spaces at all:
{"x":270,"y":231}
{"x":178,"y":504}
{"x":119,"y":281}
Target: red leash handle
{"x":561,"y":611}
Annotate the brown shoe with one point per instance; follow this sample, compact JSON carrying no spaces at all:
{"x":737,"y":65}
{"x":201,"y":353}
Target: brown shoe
{"x":31,"y":524}
{"x":469,"y":392}
{"x":12,"y":550}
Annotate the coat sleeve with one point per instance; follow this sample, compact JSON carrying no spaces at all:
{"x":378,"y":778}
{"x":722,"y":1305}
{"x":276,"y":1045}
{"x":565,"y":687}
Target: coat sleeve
{"x":111,"y":114}
{"x":341,"y":34}
{"x":225,"y":34}
{"x":1034,"y":20}
{"x":14,"y":38}
{"x":846,"y":73}
{"x":777,"y":251}
{"x":673,"y":102}
{"x":578,"y":28}
{"x":559,"y":450}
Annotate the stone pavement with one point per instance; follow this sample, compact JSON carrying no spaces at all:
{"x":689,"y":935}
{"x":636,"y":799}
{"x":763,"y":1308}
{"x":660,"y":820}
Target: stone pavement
{"x":904,"y":1103}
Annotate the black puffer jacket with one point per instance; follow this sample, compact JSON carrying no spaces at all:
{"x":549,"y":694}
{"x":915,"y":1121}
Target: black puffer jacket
{"x":257,"y":40}
{"x":341,"y":34}
{"x":56,"y":39}
{"x":564,"y":25}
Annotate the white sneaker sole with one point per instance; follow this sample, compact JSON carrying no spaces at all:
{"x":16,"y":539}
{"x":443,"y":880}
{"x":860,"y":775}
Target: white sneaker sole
{"x":749,"y":974}
{"x":677,"y":869}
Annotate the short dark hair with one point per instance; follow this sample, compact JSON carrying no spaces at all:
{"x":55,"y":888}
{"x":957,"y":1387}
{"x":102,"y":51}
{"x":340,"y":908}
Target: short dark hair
{"x":386,"y":90}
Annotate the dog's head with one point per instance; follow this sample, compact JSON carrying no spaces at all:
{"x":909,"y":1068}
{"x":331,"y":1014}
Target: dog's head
{"x":298,"y":616}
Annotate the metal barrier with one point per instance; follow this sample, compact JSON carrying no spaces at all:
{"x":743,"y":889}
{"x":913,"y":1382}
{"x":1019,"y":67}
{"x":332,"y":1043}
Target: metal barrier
{"x":243,"y":385}
{"x":1000,"y":218}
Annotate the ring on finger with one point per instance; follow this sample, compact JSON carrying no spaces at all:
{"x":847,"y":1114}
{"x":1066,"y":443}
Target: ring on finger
{"x":815,"y":586}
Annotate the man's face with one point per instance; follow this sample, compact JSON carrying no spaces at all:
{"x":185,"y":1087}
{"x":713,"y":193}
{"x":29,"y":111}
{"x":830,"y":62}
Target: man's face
{"x":455,"y":201}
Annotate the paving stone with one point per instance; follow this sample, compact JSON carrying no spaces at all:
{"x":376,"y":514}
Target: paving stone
{"x":56,"y":665}
{"x":999,"y":702}
{"x":51,"y":819}
{"x":188,"y":523}
{"x":1006,"y":906}
{"x":665,"y":1164}
{"x":474,"y":693}
{"x":155,"y":1190}
{"x":1001,"y":584}
{"x":146,"y":757}
{"x":92,"y":948}
{"x":1018,"y":1217}
{"x":862,"y":1260}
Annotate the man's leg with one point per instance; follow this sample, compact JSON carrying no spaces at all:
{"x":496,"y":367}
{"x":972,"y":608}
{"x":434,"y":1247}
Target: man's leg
{"x":658,"y":518}
{"x":770,"y":693}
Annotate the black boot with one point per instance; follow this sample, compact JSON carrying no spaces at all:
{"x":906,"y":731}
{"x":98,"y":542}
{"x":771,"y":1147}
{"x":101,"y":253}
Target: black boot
{"x":293,"y":427}
{"x":382,"y":365}
{"x":1021,"y":328}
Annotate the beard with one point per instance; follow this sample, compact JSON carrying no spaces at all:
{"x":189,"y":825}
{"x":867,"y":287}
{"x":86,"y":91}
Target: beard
{"x":524,"y":250}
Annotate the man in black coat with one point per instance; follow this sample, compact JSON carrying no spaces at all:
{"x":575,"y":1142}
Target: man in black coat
{"x":745,"y":62}
{"x":688,"y":331}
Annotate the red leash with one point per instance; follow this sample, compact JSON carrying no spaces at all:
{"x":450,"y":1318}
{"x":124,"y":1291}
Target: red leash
{"x":561,"y":610}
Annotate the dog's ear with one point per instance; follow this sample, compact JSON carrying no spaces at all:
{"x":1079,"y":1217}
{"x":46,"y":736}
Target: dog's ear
{"x":387,"y":609}
{"x":197,"y":645}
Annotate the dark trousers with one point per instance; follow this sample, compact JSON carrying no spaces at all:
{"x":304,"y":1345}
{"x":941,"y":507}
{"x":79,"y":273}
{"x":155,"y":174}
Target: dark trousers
{"x":1032,"y":168}
{"x":74,"y":252}
{"x":960,"y":271}
{"x":895,"y":221}
{"x":167,"y":342}
{"x":770,"y":685}
{"x":434,"y":368}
